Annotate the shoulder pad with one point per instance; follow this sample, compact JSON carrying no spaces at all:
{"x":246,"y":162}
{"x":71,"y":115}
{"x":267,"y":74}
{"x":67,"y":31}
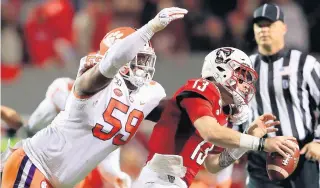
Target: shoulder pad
{"x":156,"y":89}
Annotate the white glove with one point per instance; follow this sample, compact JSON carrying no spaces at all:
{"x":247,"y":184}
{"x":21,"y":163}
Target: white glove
{"x":123,"y":181}
{"x":165,"y":16}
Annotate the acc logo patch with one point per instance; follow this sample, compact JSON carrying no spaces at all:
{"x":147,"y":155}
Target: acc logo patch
{"x":118,"y":92}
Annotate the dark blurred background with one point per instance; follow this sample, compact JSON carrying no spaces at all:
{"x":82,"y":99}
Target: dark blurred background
{"x":42,"y":33}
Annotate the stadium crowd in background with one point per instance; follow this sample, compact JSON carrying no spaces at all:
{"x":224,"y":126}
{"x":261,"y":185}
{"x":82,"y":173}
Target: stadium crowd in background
{"x":66,"y":29}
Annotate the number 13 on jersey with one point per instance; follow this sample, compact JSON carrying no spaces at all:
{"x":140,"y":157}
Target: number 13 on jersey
{"x":130,"y":128}
{"x":200,"y":84}
{"x":200,"y":153}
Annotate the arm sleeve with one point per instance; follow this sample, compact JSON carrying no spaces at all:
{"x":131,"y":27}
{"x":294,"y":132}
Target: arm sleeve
{"x":42,"y":116}
{"x":124,"y":51}
{"x":196,"y":108}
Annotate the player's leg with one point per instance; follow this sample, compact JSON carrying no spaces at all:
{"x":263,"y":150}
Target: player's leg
{"x":19,"y":172}
{"x":224,"y":177}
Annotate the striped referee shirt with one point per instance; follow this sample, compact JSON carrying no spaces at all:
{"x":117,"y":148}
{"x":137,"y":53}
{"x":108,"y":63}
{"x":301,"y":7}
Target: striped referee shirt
{"x":289,"y":87}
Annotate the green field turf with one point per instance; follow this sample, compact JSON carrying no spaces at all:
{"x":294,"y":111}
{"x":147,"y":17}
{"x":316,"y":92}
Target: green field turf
{"x":4,"y":142}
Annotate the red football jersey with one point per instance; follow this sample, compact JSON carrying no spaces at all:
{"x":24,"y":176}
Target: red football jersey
{"x":175,"y":134}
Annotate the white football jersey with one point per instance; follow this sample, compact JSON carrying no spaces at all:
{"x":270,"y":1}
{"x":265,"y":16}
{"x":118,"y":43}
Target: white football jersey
{"x":54,"y":101}
{"x":82,"y":135}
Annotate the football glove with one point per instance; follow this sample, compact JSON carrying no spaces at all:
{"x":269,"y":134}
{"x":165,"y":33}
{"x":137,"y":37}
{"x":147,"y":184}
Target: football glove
{"x":165,"y":16}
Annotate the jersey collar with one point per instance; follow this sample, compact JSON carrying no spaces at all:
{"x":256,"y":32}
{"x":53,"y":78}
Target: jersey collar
{"x":274,"y":57}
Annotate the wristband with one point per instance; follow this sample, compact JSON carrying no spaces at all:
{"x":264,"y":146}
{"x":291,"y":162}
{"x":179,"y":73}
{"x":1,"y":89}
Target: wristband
{"x":249,"y":142}
{"x":261,"y":144}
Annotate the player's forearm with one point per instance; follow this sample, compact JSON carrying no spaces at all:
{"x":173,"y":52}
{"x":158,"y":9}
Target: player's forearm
{"x":225,"y":137}
{"x":213,"y":132}
{"x":215,"y":163}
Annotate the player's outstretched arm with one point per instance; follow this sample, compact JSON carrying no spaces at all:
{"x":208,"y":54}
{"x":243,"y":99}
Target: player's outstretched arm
{"x":200,"y":113}
{"x":124,"y":51}
{"x":211,"y":131}
{"x":258,"y":128}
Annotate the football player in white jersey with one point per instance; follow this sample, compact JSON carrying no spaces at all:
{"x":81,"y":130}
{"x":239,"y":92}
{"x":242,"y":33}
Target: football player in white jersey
{"x":103,"y":113}
{"x":54,"y":101}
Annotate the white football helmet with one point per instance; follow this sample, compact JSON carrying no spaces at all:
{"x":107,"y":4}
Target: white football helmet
{"x":231,"y":68}
{"x":141,"y":69}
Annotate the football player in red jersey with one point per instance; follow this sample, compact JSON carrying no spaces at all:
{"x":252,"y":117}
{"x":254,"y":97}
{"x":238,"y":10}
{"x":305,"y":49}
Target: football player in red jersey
{"x":195,"y":119}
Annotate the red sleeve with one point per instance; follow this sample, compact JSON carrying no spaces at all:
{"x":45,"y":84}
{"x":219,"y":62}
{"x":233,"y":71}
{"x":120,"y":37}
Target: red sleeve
{"x":196,"y":108}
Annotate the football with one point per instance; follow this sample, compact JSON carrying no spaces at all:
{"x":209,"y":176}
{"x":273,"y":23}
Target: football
{"x":280,"y":168}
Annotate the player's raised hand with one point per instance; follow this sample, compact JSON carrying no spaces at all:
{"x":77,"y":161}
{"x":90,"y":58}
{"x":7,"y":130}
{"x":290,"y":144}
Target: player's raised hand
{"x":280,"y":144}
{"x":263,"y":125}
{"x":165,"y":16}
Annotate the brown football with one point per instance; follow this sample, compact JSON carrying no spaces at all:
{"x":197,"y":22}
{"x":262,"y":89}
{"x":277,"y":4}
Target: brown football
{"x":280,"y":168}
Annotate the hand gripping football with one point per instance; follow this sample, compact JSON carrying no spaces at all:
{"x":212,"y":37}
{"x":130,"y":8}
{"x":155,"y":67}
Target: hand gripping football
{"x":280,"y":168}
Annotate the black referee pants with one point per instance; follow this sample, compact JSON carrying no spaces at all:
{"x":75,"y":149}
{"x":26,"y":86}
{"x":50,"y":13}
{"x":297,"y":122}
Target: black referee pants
{"x":306,"y":175}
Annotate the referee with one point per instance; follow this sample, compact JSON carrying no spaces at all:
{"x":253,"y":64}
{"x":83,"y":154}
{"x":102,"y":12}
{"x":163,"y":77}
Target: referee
{"x":289,"y":87}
